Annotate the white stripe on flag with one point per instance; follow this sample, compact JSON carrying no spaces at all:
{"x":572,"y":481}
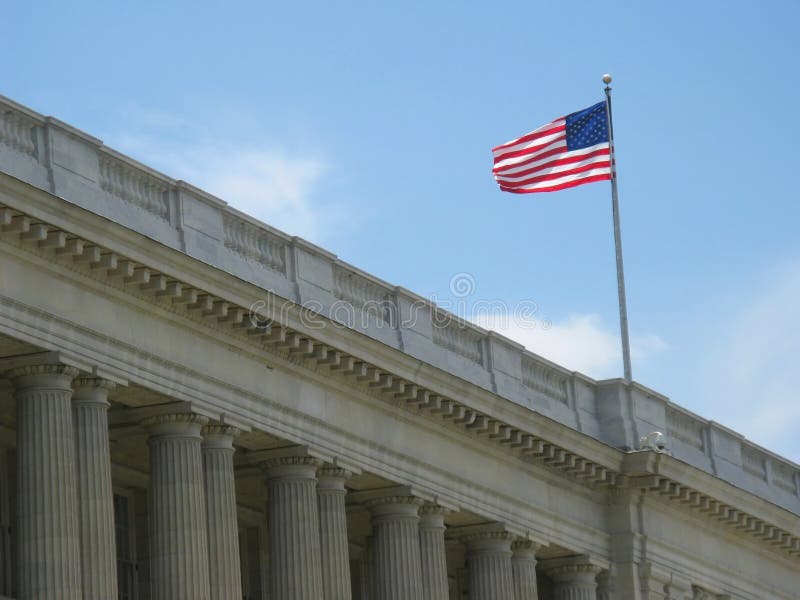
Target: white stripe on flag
{"x":566,"y":179}
{"x":569,"y":154}
{"x":595,"y":160}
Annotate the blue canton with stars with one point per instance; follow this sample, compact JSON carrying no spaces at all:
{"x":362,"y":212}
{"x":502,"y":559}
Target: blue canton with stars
{"x":587,"y":127}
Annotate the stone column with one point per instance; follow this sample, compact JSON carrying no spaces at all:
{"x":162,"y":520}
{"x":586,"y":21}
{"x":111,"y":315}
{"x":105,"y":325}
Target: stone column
{"x":574,"y":578}
{"x":397,"y":567}
{"x":225,"y":577}
{"x":489,"y":563}
{"x":333,"y":533}
{"x":293,"y":520}
{"x":523,"y":568}
{"x":432,"y":553}
{"x":178,"y":534}
{"x":605,"y":586}
{"x":95,"y":497}
{"x":363,"y":586}
{"x":358,"y":573}
{"x":47,"y":514}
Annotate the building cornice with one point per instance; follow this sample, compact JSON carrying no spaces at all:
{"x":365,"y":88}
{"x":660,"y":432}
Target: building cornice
{"x":287,"y":338}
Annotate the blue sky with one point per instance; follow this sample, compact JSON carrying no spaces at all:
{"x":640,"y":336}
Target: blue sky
{"x":367,"y":128}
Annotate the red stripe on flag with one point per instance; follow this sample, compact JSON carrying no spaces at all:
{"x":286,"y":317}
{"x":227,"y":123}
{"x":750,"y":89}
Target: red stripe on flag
{"x":533,"y":135}
{"x":554,"y":163}
{"x":530,"y":150}
{"x":560,"y":149}
{"x":550,"y":176}
{"x":561,"y":186}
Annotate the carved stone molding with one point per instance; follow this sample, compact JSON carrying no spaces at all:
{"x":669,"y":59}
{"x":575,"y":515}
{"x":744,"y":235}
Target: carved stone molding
{"x":219,"y":436}
{"x":190,"y":418}
{"x":486,"y":536}
{"x":406,"y":500}
{"x":219,"y":429}
{"x":519,"y":546}
{"x":93,"y":382}
{"x":434,"y":510}
{"x":703,"y":503}
{"x":332,"y":471}
{"x":332,"y":478}
{"x":562,"y":570}
{"x":42,"y":369}
{"x":291,"y":461}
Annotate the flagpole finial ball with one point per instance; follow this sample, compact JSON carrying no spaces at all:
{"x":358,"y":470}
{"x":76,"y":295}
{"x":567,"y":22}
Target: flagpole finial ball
{"x":607,"y":78}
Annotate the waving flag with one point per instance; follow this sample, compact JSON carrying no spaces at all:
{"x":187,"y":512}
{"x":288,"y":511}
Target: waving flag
{"x":569,"y":151}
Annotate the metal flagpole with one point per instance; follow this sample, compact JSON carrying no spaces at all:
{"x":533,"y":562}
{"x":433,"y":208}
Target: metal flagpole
{"x":623,"y":308}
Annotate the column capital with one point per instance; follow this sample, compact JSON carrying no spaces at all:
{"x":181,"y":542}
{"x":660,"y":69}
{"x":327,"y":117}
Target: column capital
{"x":93,"y":382}
{"x":434,"y":509}
{"x":218,"y":436}
{"x":489,"y":560}
{"x":46,"y":375}
{"x":488,"y":536}
{"x":579,"y":569}
{"x":291,"y":467}
{"x":488,"y":541}
{"x":332,"y":479}
{"x":366,"y":497}
{"x":522,"y":547}
{"x":431,"y":516}
{"x":177,"y":424}
{"x":394,"y":507}
{"x":394,"y":500}
{"x":89,"y":391}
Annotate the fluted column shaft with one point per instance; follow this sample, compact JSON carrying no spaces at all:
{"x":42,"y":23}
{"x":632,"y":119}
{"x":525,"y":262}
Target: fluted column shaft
{"x":225,"y":578}
{"x":523,"y":567}
{"x":397,"y":566}
{"x":489,"y":563}
{"x":432,"y":553}
{"x":573,"y":578}
{"x":178,"y":535}
{"x":366,"y":581}
{"x":335,"y":555}
{"x":95,"y":495}
{"x":47,"y":512}
{"x":294,"y":542}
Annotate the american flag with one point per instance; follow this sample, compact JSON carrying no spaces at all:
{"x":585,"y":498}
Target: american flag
{"x":569,"y":151}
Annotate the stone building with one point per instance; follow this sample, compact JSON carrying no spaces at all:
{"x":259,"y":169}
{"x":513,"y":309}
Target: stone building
{"x":195,"y":406}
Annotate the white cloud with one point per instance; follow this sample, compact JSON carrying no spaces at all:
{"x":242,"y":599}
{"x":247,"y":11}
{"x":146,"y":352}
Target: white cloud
{"x":750,"y":377}
{"x":580,"y":342}
{"x":262,"y":179}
